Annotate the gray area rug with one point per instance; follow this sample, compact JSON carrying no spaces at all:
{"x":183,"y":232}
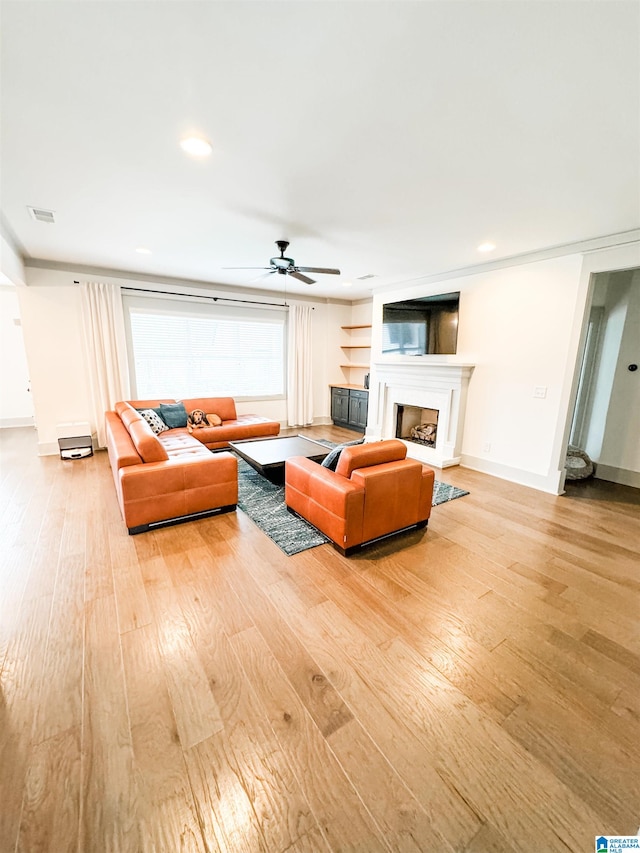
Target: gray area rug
{"x":263,"y":502}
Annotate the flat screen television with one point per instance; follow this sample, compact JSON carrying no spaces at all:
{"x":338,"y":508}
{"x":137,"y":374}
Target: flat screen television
{"x":427,"y":325}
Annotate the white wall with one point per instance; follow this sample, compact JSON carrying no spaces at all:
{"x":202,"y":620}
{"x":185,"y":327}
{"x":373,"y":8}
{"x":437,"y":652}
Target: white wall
{"x":522,"y":327}
{"x":514,"y":326}
{"x":16,"y":404}
{"x":50,"y":307}
{"x":11,"y":266}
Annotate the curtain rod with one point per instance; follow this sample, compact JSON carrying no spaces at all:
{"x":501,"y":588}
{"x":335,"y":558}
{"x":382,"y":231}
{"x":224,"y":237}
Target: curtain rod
{"x":202,"y":296}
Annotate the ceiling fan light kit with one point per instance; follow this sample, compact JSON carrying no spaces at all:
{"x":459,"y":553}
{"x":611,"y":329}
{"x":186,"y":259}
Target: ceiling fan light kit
{"x":287,"y":266}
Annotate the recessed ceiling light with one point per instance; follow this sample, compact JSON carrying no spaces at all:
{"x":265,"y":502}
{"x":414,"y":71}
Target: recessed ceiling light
{"x":196,"y":146}
{"x":346,"y":284}
{"x":486,"y":247}
{"x":142,"y":251}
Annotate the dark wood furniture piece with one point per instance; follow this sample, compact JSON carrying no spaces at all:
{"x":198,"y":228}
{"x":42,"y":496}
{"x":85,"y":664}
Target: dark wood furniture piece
{"x":349,"y":407}
{"x":268,"y":455}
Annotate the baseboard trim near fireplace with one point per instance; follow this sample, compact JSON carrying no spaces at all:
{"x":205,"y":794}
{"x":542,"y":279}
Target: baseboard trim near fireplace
{"x":553,"y":483}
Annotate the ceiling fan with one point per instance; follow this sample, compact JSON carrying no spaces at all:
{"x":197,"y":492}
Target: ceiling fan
{"x":287,"y":266}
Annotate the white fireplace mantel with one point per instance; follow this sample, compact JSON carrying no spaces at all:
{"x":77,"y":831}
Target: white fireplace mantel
{"x":429,"y":385}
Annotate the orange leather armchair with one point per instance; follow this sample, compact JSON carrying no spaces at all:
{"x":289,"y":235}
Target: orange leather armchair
{"x":374,"y":491}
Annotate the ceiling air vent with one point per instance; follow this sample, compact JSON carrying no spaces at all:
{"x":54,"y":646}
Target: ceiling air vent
{"x":42,"y":215}
{"x":365,"y":277}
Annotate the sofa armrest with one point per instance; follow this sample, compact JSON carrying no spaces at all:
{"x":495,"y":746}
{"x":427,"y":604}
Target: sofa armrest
{"x":330,"y":502}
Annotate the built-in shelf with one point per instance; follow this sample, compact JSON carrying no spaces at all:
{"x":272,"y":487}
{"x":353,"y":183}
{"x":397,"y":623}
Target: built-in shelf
{"x":355,"y":371}
{"x":350,"y":400}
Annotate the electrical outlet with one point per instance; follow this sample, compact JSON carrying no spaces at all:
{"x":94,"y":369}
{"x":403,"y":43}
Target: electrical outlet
{"x":540,"y":392}
{"x":486,"y":447}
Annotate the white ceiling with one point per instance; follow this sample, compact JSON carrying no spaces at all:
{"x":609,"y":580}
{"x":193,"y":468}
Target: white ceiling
{"x":385,"y":138}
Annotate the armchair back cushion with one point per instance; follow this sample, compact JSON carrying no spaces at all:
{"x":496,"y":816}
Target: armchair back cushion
{"x":366,"y":455}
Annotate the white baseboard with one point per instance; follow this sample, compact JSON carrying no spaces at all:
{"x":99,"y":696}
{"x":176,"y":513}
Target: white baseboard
{"x":552,"y":484}
{"x":48,"y":448}
{"x":622,"y":476}
{"x":10,"y":423}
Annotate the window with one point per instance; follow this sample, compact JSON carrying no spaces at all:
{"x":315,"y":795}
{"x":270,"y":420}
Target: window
{"x":186,"y":347}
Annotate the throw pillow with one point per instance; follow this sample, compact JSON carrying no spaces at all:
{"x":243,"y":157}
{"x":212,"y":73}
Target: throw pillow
{"x":173,"y":414}
{"x":154,"y":420}
{"x":214,"y":420}
{"x":331,"y":460}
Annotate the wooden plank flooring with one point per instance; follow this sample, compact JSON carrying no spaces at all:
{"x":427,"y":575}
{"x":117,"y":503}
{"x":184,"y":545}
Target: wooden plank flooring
{"x":474,"y":687}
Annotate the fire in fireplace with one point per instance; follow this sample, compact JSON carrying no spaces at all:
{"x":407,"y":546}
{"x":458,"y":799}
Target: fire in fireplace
{"x":416,"y":424}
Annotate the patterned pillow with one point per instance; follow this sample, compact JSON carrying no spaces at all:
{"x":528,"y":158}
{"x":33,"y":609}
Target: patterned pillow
{"x":154,"y":420}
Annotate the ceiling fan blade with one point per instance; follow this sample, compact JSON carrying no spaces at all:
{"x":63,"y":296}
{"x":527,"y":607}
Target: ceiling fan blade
{"x":245,"y":268}
{"x":264,"y":275}
{"x":319,"y":269}
{"x":300,"y":277}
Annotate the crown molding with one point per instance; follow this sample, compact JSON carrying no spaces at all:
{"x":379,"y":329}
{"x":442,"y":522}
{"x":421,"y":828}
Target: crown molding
{"x":585,"y":247}
{"x":81,"y":271}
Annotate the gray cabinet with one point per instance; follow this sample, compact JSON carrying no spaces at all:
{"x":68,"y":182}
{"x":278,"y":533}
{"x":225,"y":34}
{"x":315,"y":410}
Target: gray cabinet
{"x":358,"y":406}
{"x":349,"y":408}
{"x":340,"y":406}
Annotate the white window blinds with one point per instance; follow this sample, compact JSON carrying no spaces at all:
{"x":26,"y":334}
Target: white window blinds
{"x":188,"y":348}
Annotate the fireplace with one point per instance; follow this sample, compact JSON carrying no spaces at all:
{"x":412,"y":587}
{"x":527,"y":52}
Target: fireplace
{"x":423,"y":397}
{"x":413,"y":423}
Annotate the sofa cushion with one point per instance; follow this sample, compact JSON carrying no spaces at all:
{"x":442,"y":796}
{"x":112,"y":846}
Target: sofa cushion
{"x":331,"y":461}
{"x":154,"y":420}
{"x":173,"y":414}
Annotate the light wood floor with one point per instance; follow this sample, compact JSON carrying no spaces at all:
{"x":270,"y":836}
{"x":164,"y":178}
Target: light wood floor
{"x":473,"y":687}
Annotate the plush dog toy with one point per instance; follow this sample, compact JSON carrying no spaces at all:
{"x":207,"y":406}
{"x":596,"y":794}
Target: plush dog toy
{"x":197,"y":420}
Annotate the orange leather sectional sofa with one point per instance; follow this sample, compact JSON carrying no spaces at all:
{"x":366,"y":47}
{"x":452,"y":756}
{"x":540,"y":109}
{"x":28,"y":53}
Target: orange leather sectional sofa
{"x":173,"y":477}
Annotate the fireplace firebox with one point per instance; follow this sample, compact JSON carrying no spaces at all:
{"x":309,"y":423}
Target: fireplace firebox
{"x":416,"y":424}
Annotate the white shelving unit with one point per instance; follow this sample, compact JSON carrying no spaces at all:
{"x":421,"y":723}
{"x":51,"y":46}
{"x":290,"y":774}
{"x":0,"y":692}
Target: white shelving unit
{"x":357,"y":354}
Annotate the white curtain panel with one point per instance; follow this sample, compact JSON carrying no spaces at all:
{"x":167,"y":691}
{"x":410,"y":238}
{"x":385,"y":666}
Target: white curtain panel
{"x":299,"y":364}
{"x":105,"y":350}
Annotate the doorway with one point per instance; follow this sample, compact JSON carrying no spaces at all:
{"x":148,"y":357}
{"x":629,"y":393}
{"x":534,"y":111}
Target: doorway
{"x":607,"y":407}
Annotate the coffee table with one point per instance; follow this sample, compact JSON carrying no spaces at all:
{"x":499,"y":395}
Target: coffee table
{"x":268,"y":455}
